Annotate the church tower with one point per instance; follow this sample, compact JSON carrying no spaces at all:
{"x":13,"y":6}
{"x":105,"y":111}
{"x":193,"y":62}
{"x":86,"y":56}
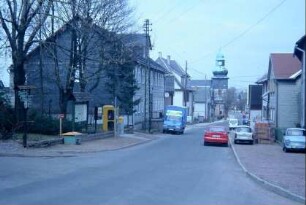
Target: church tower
{"x":219,"y":84}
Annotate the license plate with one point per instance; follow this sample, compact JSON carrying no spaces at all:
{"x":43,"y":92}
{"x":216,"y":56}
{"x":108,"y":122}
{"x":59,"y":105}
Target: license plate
{"x":216,"y":136}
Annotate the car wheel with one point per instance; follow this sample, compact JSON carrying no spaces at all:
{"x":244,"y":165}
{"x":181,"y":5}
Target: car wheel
{"x":205,"y":143}
{"x":252,"y":142}
{"x":235,"y":141}
{"x":285,"y":149}
{"x":226,"y":144}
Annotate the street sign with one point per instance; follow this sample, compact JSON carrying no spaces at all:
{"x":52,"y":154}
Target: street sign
{"x":61,"y":116}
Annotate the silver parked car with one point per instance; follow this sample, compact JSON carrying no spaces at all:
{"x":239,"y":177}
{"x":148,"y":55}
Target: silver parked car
{"x":294,"y":139}
{"x":243,"y":133}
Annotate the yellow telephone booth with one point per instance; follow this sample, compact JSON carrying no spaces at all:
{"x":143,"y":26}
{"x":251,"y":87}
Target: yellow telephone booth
{"x":108,"y":117}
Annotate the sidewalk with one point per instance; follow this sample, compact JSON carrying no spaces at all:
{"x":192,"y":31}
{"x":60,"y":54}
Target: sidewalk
{"x":283,"y":173}
{"x":12,"y":148}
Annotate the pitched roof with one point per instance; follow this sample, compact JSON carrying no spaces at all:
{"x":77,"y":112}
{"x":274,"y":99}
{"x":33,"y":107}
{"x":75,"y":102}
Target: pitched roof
{"x":262,"y":79}
{"x":164,"y":64}
{"x":138,"y":41}
{"x":284,"y":65}
{"x":133,"y":39}
{"x":171,"y":66}
{"x":177,"y":68}
{"x":300,"y":45}
{"x":152,"y":64}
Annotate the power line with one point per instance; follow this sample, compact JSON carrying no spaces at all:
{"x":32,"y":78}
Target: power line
{"x":184,"y":12}
{"x":247,"y":30}
{"x":166,"y":13}
{"x":254,"y":25}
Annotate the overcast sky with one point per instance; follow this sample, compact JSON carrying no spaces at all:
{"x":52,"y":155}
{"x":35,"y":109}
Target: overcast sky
{"x":245,"y":31}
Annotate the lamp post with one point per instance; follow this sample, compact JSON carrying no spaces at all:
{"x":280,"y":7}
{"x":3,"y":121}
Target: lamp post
{"x":24,"y":94}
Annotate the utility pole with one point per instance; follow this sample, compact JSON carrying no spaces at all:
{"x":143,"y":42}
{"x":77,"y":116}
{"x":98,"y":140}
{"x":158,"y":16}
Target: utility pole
{"x":147,"y":90}
{"x":185,"y":85}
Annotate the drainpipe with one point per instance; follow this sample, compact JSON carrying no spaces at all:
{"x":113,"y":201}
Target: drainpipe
{"x":303,"y":88}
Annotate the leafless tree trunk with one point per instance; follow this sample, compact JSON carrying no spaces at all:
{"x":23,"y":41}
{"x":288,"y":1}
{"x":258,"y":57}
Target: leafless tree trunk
{"x":20,"y":26}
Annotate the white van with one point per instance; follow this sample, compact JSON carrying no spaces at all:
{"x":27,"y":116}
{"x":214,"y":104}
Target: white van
{"x":232,"y":123}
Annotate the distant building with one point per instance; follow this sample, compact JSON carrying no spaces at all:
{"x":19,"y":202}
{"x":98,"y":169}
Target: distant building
{"x":219,"y":87}
{"x":4,"y":92}
{"x":178,"y":90}
{"x":202,"y":99}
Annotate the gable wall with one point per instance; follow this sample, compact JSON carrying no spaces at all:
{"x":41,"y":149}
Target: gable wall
{"x":288,"y":106}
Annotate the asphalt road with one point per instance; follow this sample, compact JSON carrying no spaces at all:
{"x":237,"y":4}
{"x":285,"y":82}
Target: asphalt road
{"x":175,"y":169}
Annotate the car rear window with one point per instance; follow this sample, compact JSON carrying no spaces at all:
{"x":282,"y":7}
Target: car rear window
{"x":243,"y":129}
{"x":233,"y":121}
{"x":217,"y":129}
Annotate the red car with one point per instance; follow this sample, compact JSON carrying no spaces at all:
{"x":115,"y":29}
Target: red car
{"x":216,"y":135}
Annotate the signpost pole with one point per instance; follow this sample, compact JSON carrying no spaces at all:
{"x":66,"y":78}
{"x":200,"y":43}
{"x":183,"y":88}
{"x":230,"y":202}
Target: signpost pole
{"x":61,"y":116}
{"x":115,"y":118}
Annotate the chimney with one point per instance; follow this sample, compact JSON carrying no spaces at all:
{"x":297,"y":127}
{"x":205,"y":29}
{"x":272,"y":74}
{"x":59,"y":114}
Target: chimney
{"x":160,"y":54}
{"x":168,"y":59}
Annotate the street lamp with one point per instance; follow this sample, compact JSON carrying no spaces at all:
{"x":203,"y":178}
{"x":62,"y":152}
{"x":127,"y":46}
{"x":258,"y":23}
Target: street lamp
{"x":25,"y":96}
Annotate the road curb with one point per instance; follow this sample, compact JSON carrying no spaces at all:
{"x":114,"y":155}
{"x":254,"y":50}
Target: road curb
{"x":71,"y":153}
{"x":270,"y":186}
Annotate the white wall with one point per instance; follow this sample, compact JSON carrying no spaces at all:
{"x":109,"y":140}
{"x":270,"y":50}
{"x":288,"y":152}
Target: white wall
{"x":199,"y":109}
{"x":178,"y":98}
{"x":255,"y":115}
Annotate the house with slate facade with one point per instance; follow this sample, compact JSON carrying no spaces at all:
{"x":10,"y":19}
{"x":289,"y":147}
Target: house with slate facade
{"x":42,"y":72}
{"x":281,"y":99}
{"x":150,"y":78}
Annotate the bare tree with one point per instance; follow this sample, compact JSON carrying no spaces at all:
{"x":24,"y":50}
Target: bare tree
{"x":18,"y":20}
{"x":86,"y":19}
{"x":230,"y":99}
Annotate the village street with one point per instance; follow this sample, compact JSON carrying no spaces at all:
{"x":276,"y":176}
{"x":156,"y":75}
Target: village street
{"x":172,"y":169}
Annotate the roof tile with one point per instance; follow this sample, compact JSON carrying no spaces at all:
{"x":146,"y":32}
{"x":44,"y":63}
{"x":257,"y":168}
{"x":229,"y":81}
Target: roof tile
{"x":284,"y":65}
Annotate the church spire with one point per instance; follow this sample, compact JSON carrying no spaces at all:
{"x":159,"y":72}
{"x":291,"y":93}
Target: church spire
{"x":220,"y":69}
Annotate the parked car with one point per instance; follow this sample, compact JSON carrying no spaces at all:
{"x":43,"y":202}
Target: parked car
{"x":243,"y":134}
{"x":216,"y":135}
{"x":232,"y":123}
{"x":294,"y":139}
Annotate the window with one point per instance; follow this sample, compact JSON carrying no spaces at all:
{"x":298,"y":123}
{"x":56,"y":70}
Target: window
{"x":216,"y":129}
{"x":243,"y":129}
